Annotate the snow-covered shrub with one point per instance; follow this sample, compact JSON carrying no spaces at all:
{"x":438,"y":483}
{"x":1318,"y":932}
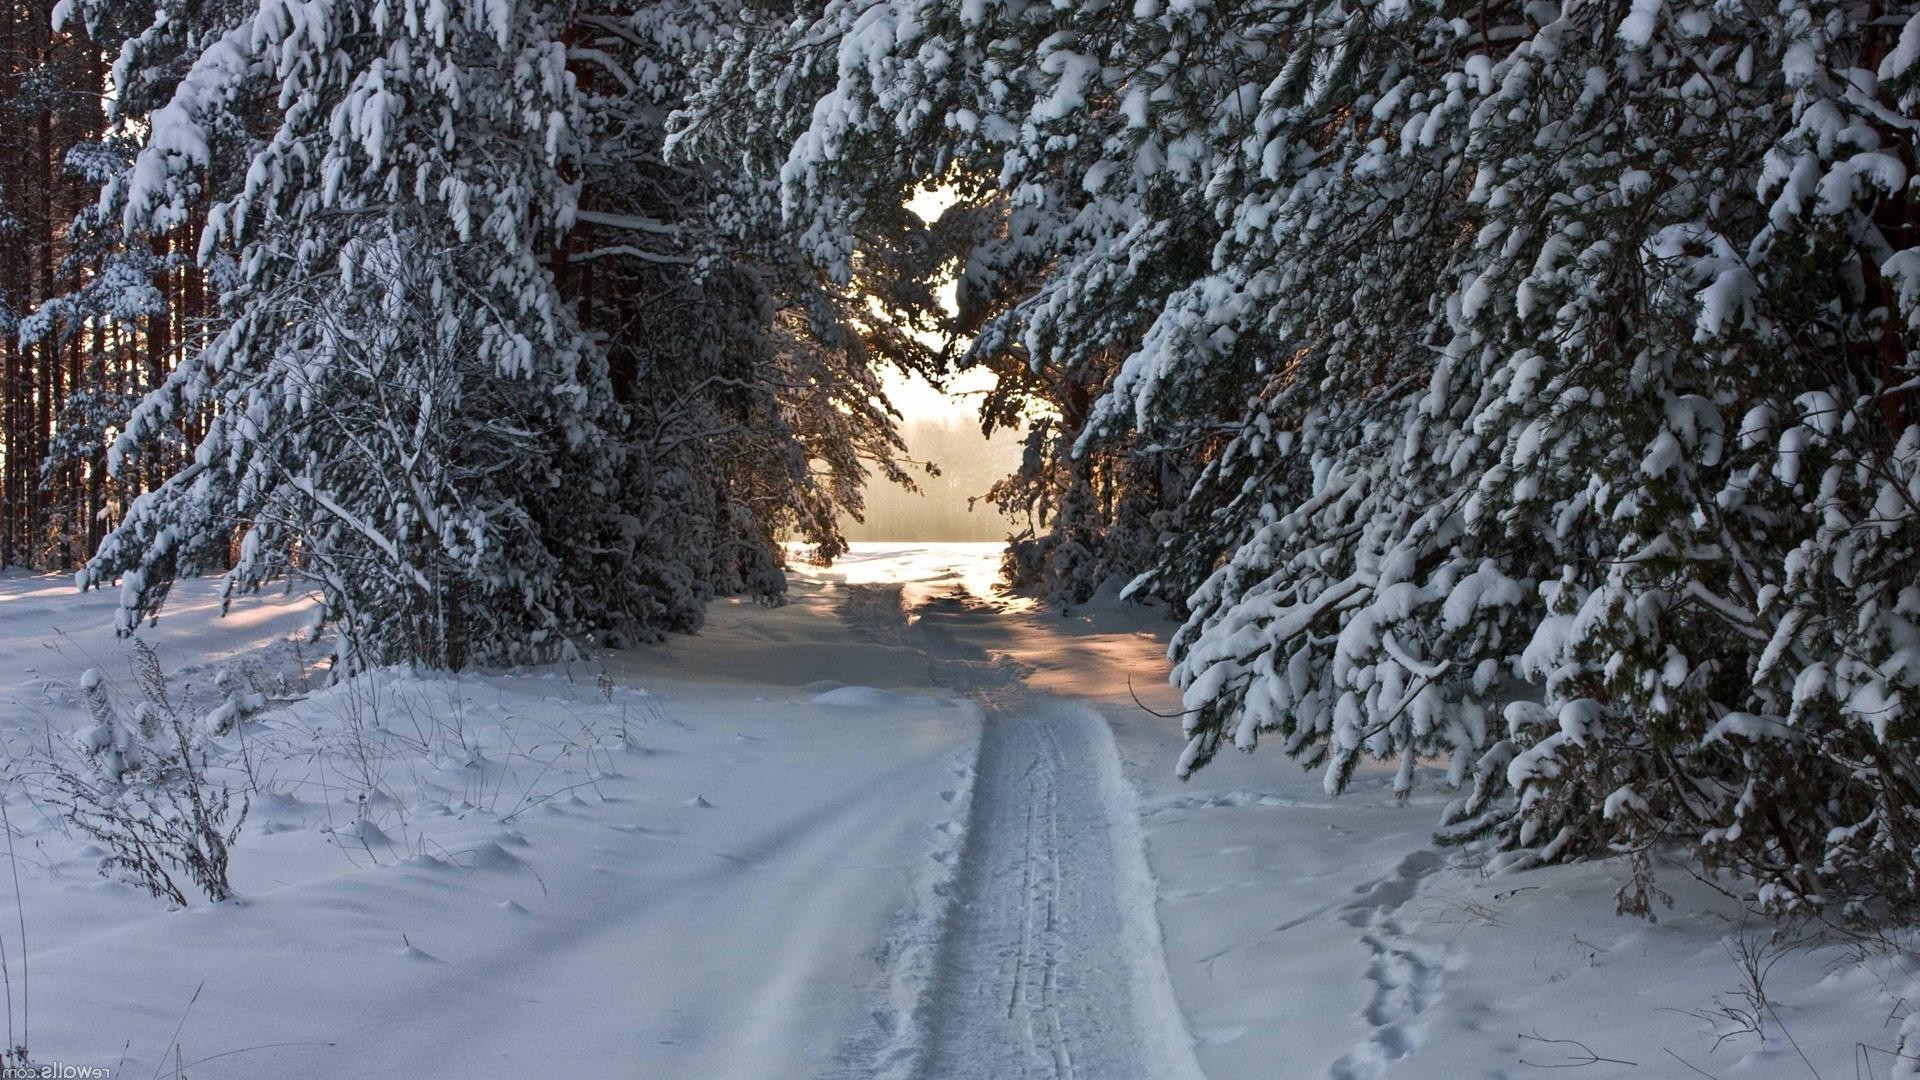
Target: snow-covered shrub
{"x":240,"y":701}
{"x":153,"y":832}
{"x":140,"y":789}
{"x":120,"y":746}
{"x":1541,"y":376}
{"x":111,"y":747}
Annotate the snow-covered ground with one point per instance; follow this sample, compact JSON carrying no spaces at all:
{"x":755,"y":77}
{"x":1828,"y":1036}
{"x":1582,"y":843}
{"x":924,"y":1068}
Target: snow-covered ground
{"x":900,"y":827}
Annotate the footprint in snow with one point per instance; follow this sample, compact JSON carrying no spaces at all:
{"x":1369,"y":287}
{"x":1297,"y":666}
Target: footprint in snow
{"x":1406,"y":974}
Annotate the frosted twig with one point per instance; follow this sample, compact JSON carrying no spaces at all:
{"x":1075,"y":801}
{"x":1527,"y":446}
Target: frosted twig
{"x":1584,"y":1058}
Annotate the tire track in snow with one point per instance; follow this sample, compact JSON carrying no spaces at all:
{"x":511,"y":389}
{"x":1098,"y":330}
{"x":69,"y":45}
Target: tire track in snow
{"x":1048,"y":962}
{"x":1030,"y":983}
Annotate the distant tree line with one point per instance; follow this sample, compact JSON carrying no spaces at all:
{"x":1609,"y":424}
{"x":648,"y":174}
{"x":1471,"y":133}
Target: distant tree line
{"x":68,"y":373}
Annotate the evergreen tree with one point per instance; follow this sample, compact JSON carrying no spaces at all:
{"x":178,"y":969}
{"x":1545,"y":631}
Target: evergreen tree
{"x":1545,"y":374}
{"x":850,"y":108}
{"x":486,"y":372}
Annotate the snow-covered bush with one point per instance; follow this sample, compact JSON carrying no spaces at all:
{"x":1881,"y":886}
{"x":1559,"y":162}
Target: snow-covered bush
{"x":153,"y":832}
{"x":140,"y":789}
{"x":112,"y":748}
{"x":142,"y":745}
{"x":239,"y":701}
{"x":1544,"y":374}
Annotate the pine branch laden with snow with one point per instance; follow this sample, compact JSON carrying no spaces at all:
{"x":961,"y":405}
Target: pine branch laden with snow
{"x":399,"y":370}
{"x":844,"y":123}
{"x":1547,"y":372}
{"x":489,"y":374}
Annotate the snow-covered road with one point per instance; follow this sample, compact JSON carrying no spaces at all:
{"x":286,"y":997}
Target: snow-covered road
{"x":1029,"y":982}
{"x":840,"y":838}
{"x":1049,"y":964}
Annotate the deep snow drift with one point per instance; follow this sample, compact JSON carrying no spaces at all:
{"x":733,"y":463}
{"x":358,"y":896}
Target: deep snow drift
{"x":763,"y":852}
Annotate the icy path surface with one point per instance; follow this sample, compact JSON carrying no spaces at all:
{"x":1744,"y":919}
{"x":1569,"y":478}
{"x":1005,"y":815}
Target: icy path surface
{"x":1030,"y":983}
{"x":1049,"y":963}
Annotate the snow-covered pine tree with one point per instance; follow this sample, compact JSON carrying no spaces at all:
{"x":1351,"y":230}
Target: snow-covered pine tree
{"x":1549,"y":367}
{"x":487,"y":372}
{"x":750,"y":386}
{"x":404,"y":411}
{"x":851,"y":107}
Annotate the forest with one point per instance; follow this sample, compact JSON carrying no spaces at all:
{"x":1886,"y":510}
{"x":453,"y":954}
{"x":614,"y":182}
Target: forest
{"x":1519,"y":396}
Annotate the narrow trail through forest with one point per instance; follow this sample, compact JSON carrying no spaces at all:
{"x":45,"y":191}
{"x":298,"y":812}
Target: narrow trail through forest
{"x":1049,"y":963}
